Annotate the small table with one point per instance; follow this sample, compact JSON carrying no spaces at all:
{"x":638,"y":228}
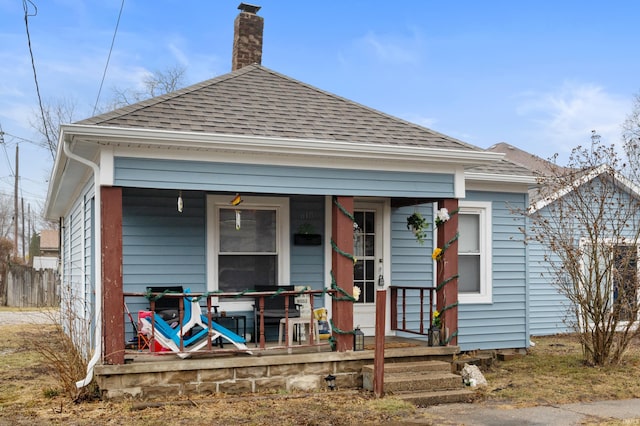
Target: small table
{"x":236,"y":320}
{"x":298,"y":322}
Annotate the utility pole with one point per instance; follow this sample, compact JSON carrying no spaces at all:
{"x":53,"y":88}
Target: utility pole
{"x":22,"y":210}
{"x":29,"y":232}
{"x":15,"y":209}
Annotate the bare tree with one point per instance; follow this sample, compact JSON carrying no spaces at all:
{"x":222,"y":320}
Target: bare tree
{"x":631,"y":134}
{"x":6,"y":215}
{"x":155,"y":84}
{"x":587,"y":218}
{"x":55,"y":113}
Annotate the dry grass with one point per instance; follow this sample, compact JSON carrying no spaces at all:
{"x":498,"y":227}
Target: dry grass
{"x":29,"y":394}
{"x":551,"y":373}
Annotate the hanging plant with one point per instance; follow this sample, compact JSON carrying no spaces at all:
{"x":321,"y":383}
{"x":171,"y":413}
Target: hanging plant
{"x":418,"y":225}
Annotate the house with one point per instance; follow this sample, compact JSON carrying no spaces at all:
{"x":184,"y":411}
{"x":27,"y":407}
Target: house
{"x":49,"y":250}
{"x":205,"y":188}
{"x":561,"y":191}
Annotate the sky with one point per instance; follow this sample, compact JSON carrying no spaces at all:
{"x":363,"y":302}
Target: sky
{"x":540,"y":75}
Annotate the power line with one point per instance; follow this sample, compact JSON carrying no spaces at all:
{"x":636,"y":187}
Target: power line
{"x":104,"y":74}
{"x":4,"y":148}
{"x":33,"y":64}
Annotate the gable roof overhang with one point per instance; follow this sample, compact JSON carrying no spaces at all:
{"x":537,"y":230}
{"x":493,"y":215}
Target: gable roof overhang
{"x":99,"y":144}
{"x":602,"y":170}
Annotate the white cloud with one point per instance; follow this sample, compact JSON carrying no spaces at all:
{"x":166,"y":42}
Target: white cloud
{"x":565,"y":117}
{"x":394,"y":49}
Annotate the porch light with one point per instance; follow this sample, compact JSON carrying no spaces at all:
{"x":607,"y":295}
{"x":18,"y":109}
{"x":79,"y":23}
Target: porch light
{"x":331,"y":381}
{"x":358,"y":339}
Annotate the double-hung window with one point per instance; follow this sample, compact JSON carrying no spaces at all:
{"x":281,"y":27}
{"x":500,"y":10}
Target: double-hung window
{"x":615,"y":270}
{"x":247,"y":244}
{"x":474,"y":252}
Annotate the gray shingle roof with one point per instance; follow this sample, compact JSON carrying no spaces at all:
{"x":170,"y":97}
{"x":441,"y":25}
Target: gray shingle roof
{"x":525,"y":159}
{"x":257,"y":101}
{"x":502,"y":167}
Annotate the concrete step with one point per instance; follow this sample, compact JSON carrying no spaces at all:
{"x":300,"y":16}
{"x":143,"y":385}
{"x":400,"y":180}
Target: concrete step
{"x":423,"y":399}
{"x":422,"y":380}
{"x":413,"y":367}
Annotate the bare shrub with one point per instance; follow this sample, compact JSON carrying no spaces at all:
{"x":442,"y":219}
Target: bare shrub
{"x":66,"y":349}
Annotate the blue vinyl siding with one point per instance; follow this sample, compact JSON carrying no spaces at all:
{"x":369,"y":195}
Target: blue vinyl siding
{"x":502,"y":323}
{"x":307,"y":262}
{"x":161,"y":246}
{"x":155,"y":173}
{"x":548,"y":308}
{"x":411,"y":263}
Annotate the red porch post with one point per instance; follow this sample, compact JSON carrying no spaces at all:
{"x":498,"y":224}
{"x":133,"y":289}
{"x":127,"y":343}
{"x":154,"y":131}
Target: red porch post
{"x":447,"y":297}
{"x":342,"y":267}
{"x":112,"y":297}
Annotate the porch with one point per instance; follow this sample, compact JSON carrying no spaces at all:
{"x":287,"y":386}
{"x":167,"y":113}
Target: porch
{"x":298,"y":368}
{"x":272,"y":365}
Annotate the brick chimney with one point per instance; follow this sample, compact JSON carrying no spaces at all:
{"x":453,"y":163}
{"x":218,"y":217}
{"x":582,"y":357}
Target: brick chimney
{"x":247,"y":37}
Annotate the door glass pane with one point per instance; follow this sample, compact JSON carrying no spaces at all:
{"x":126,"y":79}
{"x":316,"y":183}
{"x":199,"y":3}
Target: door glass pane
{"x":469,"y":228}
{"x":469,"y":271}
{"x":238,"y":273}
{"x":369,"y":271}
{"x":257,"y":233}
{"x":370,"y":292}
{"x":364,"y":272}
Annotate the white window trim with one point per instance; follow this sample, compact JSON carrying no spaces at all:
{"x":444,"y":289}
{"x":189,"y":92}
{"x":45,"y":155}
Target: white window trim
{"x":281,"y":206}
{"x":484,"y":210}
{"x":616,"y":241}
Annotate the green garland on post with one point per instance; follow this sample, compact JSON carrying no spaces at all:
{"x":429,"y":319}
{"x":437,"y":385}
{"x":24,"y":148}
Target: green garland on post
{"x":440,"y":286}
{"x":334,"y":285}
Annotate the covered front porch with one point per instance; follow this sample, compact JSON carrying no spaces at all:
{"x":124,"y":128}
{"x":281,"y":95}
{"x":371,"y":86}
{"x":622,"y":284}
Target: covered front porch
{"x":408,"y":310}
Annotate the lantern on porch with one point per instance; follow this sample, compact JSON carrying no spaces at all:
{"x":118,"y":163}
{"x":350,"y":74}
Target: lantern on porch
{"x":358,"y":339}
{"x":331,"y":381}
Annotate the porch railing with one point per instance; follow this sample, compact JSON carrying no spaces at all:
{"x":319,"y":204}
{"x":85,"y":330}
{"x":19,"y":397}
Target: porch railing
{"x":212,"y":314}
{"x":403,"y":298}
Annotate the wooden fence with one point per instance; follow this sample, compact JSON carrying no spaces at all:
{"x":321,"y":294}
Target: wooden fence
{"x":22,"y":286}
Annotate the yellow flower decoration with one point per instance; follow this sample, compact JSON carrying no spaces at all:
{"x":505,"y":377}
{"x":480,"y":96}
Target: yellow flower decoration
{"x":436,"y":319}
{"x":437,"y":253}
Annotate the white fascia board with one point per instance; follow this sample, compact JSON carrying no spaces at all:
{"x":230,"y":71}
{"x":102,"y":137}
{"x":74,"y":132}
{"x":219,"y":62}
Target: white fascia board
{"x":490,"y":177}
{"x":54,"y":180}
{"x":172,"y":140}
{"x":106,"y":167}
{"x":459,"y":183}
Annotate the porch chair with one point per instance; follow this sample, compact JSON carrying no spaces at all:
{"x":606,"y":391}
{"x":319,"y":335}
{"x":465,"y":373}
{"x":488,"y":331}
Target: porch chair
{"x":274,"y":309}
{"x":193,"y":330}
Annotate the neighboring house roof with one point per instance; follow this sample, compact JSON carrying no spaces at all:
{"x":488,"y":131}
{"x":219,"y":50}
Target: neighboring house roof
{"x":525,"y":159}
{"x":49,"y":240}
{"x":501,"y":171}
{"x":256,"y":101}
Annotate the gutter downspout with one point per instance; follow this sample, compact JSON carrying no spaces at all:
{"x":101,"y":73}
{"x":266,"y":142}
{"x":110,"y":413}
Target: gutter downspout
{"x":97,"y":263}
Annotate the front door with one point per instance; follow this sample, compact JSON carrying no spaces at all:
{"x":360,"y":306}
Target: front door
{"x":368,"y":269}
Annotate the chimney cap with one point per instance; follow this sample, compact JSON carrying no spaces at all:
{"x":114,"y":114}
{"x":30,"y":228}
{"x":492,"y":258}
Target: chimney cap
{"x":249,"y":8}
